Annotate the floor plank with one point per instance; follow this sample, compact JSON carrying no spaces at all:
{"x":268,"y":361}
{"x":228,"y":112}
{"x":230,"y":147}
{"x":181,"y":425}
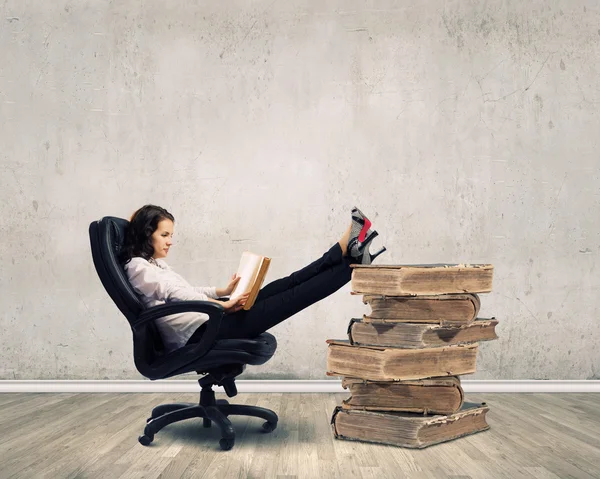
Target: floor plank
{"x":95,"y":436}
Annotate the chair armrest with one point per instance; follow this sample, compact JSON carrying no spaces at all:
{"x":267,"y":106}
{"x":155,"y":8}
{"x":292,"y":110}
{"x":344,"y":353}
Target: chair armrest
{"x":215,"y":313}
{"x":155,"y":312}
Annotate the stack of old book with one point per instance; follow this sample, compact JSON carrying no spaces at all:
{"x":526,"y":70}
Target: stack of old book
{"x":402,"y":362}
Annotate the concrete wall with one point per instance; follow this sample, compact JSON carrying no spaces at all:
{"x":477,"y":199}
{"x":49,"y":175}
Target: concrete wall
{"x":467,"y":130}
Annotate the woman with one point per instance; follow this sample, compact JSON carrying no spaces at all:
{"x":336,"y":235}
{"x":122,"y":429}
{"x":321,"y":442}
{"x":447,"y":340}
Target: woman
{"x":148,"y":239}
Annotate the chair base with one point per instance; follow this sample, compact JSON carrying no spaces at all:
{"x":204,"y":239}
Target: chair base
{"x":210,"y":410}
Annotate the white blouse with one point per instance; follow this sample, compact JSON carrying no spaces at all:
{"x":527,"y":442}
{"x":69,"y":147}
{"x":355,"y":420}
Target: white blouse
{"x":156,"y":283}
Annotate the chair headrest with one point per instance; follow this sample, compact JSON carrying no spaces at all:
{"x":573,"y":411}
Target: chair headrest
{"x":106,"y":238}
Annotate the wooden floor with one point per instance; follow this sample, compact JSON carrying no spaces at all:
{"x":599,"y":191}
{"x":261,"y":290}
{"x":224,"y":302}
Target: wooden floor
{"x":95,"y":435}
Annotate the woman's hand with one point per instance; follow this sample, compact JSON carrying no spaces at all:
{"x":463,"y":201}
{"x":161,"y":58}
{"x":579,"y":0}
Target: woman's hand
{"x":230,"y":286}
{"x":234,"y":305}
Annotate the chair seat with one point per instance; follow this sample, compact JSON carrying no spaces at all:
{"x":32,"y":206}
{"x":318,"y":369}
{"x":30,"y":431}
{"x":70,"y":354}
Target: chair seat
{"x":254,"y":351}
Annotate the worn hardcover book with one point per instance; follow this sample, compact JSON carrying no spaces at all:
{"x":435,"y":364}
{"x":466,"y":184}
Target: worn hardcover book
{"x":426,"y":279}
{"x":373,"y":332}
{"x":426,"y":396}
{"x":441,"y":309}
{"x":394,"y":364}
{"x":252,"y":271}
{"x":408,"y":429}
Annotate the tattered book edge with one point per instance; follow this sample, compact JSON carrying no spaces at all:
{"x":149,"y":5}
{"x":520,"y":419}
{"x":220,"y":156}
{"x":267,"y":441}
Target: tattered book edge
{"x":467,"y":409}
{"x":368,"y":297}
{"x":430,"y":325}
{"x":417,"y":445}
{"x":450,"y":381}
{"x":346,"y":343}
{"x":440,"y":266}
{"x":416,"y":410}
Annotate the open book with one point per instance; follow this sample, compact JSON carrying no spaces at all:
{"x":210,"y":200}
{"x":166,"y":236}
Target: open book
{"x":252,"y":271}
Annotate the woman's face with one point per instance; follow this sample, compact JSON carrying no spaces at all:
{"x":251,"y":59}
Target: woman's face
{"x":162,"y":238}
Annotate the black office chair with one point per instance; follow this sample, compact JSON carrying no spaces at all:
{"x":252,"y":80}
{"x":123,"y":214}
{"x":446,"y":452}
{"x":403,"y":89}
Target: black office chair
{"x":220,"y":360}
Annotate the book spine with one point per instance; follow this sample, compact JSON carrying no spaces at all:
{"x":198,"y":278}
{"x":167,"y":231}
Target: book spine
{"x":332,"y":422}
{"x":349,"y":330}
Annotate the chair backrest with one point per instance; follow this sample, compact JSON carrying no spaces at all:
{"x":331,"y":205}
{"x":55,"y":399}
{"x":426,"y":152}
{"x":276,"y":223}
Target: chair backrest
{"x":106,"y":239}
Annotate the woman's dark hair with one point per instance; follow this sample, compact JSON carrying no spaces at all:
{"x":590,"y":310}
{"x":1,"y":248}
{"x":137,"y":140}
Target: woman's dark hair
{"x":138,"y":238}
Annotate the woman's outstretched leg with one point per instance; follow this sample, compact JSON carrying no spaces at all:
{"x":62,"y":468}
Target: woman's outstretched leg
{"x":272,"y":310}
{"x":329,"y":259}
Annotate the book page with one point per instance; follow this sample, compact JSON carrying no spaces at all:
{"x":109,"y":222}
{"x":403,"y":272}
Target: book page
{"x":247,"y":270}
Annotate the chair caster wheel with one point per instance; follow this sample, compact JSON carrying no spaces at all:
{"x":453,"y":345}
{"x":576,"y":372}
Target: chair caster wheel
{"x":227,"y":443}
{"x":269,"y":426}
{"x":145,"y":440}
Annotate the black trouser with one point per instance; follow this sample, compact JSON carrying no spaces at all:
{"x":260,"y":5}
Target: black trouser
{"x":285,"y":297}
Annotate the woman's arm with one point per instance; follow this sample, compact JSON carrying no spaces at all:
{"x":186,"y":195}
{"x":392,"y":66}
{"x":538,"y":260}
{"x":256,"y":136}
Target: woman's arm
{"x":163,"y":286}
{"x":152,"y":283}
{"x":232,"y":305}
{"x":209,"y":291}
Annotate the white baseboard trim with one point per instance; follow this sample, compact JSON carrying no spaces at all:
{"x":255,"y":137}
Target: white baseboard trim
{"x":280,"y":386}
